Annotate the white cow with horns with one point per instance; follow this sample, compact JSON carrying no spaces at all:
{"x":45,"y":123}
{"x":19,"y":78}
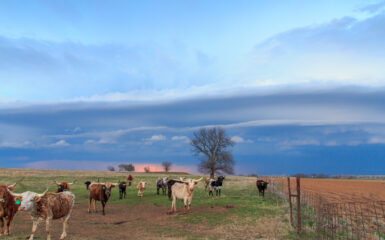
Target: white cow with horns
{"x":183,"y":190}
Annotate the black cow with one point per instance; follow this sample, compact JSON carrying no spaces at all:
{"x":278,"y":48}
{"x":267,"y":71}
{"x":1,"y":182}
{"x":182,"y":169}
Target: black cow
{"x":169,"y":185}
{"x":262,"y":185}
{"x":122,"y":190}
{"x":87,"y":184}
{"x":216,"y":185}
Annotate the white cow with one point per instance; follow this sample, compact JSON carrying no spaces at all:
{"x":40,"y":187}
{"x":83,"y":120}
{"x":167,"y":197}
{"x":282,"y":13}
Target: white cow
{"x":183,"y":191}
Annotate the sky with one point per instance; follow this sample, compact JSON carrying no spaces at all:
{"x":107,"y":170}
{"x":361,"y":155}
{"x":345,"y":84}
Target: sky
{"x":299,"y":85}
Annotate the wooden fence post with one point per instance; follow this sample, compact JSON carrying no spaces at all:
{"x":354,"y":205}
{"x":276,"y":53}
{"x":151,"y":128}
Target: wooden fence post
{"x":298,"y":205}
{"x":291,"y":207}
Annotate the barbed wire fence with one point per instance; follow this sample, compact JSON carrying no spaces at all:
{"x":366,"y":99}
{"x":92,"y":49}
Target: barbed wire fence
{"x":310,"y":212}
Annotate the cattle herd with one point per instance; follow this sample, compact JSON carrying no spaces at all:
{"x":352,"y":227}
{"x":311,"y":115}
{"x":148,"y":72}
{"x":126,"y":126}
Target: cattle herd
{"x":50,"y":206}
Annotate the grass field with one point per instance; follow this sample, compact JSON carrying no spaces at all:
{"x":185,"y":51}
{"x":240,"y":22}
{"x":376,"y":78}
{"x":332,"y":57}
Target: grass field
{"x":147,"y":218}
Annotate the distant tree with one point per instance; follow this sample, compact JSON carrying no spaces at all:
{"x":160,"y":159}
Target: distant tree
{"x":126,"y":167}
{"x":111,"y":168}
{"x":166,"y":166}
{"x":147,"y":169}
{"x":211,"y":145}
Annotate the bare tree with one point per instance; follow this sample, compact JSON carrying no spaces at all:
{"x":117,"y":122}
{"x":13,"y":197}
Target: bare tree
{"x":211,"y":145}
{"x":126,"y":167}
{"x":166,"y":166}
{"x":147,"y":169}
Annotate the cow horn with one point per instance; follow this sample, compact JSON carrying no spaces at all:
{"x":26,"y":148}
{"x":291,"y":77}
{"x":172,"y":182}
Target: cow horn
{"x":198,"y":179}
{"x":56,"y":182}
{"x":12,"y":185}
{"x":40,"y":195}
{"x":72,"y":182}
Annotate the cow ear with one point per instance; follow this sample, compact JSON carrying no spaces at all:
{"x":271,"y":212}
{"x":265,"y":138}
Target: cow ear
{"x":37,"y":198}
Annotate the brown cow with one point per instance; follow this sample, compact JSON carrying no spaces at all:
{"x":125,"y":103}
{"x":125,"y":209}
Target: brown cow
{"x":99,"y":192}
{"x":48,"y":206}
{"x":130,"y":178}
{"x":9,"y":204}
{"x":63,"y":186}
{"x":141,"y":187}
{"x":207,"y":182}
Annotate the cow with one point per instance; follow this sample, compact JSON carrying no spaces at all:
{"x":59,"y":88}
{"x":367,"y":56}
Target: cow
{"x":122,"y":190}
{"x":261,"y":185}
{"x":207,"y":182}
{"x":99,"y":192}
{"x":129,"y":179}
{"x":216,"y":185}
{"x":63,"y":186}
{"x":183,"y":191}
{"x":141,"y":187}
{"x":87,"y":183}
{"x":47,"y":207}
{"x":9,"y":204}
{"x":161,"y":183}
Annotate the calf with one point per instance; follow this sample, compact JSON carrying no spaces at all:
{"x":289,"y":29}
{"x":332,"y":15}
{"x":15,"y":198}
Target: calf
{"x":9,"y":204}
{"x":47,"y":207}
{"x":63,"y":186}
{"x":216,"y":185}
{"x":129,"y":179}
{"x":99,"y":192}
{"x":183,"y":191}
{"x":141,"y":187}
{"x":87,"y":183}
{"x":207,"y":182}
{"x":161,"y":183}
{"x":122,"y":189}
{"x":261,"y":185}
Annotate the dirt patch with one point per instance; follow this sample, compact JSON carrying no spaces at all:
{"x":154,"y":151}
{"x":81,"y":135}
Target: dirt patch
{"x":144,"y":221}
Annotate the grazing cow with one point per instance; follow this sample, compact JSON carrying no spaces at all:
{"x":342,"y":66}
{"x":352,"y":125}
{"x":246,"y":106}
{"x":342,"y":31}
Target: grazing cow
{"x":183,"y":191}
{"x":169,"y":185}
{"x":261,"y":185}
{"x":130,"y":178}
{"x":122,"y":189}
{"x":141,"y":187}
{"x":161,"y":183}
{"x":47,"y":207}
{"x":63,"y":186}
{"x":87,"y":183}
{"x":9,"y":204}
{"x":216,"y":185}
{"x":99,"y":192}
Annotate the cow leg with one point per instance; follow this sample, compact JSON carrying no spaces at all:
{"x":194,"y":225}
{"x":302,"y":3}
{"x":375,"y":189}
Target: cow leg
{"x":89,"y":204}
{"x":1,"y":226}
{"x":157,"y":190}
{"x":185,"y":205}
{"x":35,"y":223}
{"x":8,"y":230}
{"x":103,"y":205}
{"x":64,"y":234}
{"x":47,"y":227}
{"x":95,"y":206}
{"x":173,"y":205}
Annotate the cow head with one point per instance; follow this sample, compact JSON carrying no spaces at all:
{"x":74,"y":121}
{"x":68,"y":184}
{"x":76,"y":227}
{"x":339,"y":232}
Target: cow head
{"x":143,"y":185}
{"x":106,"y":188}
{"x":63,"y":186}
{"x":190,"y":183}
{"x":221,"y":178}
{"x":4,"y":192}
{"x":29,"y":199}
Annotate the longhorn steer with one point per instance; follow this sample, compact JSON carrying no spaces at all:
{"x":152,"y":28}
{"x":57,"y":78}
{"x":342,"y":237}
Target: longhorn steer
{"x":9,"y":204}
{"x":216,"y":185}
{"x":141,"y":187}
{"x":48,"y":207}
{"x":161,"y":183}
{"x":63,"y":186}
{"x":183,"y":191}
{"x":122,"y":190}
{"x":99,"y":192}
{"x":261,"y":185}
{"x":130,"y":178}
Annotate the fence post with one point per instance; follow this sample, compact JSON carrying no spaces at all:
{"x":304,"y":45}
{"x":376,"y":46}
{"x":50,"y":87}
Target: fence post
{"x":291,"y":207}
{"x":298,"y":205}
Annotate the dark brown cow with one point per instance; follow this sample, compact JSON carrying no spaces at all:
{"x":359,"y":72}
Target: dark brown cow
{"x":130,"y":178}
{"x":63,"y":186}
{"x":99,"y":192}
{"x":9,"y":204}
{"x":122,"y":190}
{"x":261,"y":185}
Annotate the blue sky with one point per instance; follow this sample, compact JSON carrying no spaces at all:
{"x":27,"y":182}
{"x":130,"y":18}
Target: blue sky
{"x":298,"y":85}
